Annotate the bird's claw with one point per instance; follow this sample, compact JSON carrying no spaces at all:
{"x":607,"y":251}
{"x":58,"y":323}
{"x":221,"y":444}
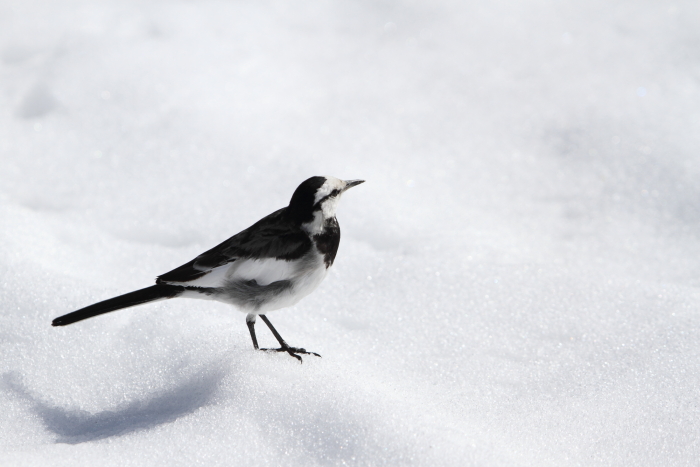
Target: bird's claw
{"x":293,"y":351}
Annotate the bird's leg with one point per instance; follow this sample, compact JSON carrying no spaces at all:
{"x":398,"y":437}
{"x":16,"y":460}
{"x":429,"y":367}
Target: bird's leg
{"x":293,"y":351}
{"x":250,"y":321}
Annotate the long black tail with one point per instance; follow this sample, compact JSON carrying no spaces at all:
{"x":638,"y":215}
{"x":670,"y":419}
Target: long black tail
{"x":138,"y":297}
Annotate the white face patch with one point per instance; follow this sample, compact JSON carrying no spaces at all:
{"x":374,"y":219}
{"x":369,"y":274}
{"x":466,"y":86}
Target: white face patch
{"x":327,"y":188}
{"x":326,"y":210}
{"x":328,"y":206}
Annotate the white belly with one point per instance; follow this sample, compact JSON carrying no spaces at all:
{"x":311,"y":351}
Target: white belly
{"x":302,"y":286}
{"x":259,"y":286}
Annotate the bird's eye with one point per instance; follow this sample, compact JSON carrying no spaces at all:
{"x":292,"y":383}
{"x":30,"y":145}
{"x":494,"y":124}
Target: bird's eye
{"x":333,"y":194}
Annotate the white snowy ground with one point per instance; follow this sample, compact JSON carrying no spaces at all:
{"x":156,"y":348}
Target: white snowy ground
{"x":517,"y":283}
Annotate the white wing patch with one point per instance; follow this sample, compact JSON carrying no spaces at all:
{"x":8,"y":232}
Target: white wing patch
{"x":263,"y":271}
{"x":304,"y":276}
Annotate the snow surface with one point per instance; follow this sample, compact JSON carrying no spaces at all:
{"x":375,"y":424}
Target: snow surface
{"x":517,"y":283}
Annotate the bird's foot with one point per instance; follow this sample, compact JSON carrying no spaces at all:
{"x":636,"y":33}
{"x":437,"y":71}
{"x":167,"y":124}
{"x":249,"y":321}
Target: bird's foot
{"x":293,"y":351}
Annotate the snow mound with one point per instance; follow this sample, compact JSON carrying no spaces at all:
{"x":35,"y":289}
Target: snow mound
{"x":517,"y":282}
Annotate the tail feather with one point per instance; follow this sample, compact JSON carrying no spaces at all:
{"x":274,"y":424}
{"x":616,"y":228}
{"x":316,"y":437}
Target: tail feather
{"x":138,"y":297}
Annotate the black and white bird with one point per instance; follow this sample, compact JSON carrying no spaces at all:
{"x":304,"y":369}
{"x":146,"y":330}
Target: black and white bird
{"x":270,"y":265}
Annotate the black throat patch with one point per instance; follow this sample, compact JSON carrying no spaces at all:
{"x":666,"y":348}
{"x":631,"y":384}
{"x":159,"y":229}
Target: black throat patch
{"x":327,"y":242}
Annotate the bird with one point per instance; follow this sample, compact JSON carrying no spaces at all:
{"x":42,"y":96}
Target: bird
{"x":272,"y":264}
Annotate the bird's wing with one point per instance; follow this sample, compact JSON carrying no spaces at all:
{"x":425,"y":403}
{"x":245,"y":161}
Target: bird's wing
{"x":272,"y":237}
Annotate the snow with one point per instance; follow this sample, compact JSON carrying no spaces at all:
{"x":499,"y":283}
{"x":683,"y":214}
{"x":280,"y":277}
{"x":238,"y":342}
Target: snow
{"x":517,"y":282}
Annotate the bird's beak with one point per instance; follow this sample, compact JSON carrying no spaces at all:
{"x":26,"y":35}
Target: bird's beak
{"x":351,"y":183}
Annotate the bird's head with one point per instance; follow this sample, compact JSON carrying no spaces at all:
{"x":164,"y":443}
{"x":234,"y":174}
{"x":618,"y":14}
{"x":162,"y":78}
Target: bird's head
{"x":316,"y":200}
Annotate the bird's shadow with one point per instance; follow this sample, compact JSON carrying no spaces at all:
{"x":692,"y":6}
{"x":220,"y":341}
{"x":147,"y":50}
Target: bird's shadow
{"x":74,"y":426}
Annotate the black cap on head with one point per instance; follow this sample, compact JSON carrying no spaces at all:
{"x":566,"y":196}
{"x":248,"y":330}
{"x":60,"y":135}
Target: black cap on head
{"x":301,"y":205}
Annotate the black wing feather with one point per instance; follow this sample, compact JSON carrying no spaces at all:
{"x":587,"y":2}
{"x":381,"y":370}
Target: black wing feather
{"x":274,"y":236}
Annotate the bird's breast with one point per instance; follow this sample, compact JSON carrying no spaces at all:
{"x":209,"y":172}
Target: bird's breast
{"x":327,"y":241}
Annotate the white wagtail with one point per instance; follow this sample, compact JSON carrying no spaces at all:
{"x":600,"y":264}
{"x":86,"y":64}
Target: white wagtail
{"x":270,"y":265}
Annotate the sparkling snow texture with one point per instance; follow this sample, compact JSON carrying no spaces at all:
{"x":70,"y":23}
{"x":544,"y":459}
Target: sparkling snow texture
{"x":517,"y":282}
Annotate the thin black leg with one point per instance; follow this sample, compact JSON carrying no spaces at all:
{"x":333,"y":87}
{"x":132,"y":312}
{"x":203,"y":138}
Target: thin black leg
{"x":274,"y":331}
{"x":250,"y":321}
{"x":293,"y":351}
